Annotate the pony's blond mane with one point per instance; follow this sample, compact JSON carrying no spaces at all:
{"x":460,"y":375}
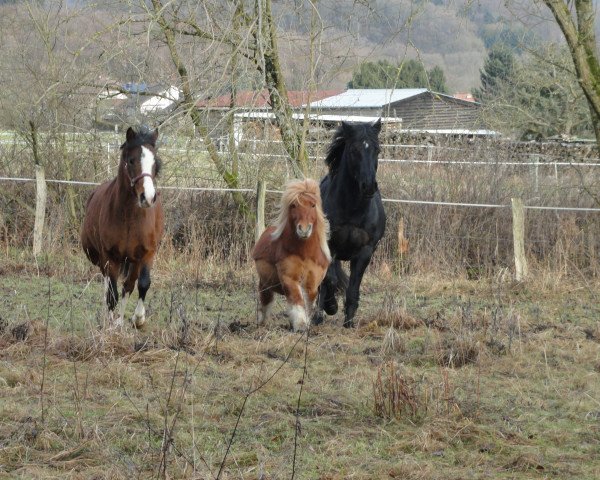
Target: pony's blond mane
{"x":302,"y":191}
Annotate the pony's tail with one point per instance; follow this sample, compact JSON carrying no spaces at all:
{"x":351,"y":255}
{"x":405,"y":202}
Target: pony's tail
{"x":342,"y":278}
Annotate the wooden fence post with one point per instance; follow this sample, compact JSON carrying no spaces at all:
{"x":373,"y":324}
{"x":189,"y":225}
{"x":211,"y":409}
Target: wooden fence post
{"x":261,"y":191}
{"x":40,"y":209}
{"x":518,"y":217}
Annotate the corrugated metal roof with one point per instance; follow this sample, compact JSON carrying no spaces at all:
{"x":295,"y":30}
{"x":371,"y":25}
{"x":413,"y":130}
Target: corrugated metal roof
{"x":367,"y":97}
{"x":320,"y":118}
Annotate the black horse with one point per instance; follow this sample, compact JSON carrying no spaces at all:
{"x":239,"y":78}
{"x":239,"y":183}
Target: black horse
{"x":352,"y":203}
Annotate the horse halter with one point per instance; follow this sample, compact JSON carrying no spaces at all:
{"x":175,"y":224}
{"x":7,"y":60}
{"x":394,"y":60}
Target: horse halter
{"x":134,"y":180}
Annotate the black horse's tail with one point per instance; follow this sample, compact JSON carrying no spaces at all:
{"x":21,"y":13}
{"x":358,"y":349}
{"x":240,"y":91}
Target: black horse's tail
{"x":341,"y":277}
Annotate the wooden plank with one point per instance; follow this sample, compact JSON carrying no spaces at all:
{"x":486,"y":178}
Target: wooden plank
{"x":261,"y":191}
{"x":40,"y":209}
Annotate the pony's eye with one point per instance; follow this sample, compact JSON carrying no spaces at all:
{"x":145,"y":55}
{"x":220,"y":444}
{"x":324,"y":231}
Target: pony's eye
{"x":130,"y":161}
{"x":313,"y":205}
{"x":293,"y":205}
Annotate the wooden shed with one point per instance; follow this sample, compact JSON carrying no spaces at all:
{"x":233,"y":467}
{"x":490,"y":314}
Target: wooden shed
{"x":418,"y":108}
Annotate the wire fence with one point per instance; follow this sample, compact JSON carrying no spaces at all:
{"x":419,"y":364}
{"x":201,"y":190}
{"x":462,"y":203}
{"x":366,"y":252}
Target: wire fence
{"x":250,"y":190}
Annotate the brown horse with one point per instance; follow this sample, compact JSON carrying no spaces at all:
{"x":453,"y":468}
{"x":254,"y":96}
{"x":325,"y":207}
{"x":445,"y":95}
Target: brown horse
{"x":292,"y":257}
{"x":124,"y":223}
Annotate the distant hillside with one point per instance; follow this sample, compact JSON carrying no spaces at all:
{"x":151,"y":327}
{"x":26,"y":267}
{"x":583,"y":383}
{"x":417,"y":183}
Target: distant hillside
{"x":453,"y":35}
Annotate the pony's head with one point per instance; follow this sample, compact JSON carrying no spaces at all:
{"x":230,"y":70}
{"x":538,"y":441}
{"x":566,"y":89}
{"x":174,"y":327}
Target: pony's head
{"x":140,"y":164}
{"x":302,"y":211}
{"x":357,"y":146}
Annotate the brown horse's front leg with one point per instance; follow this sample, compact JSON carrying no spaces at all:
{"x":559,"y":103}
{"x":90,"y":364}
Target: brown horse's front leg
{"x":111,"y":273}
{"x":132,"y":273}
{"x":139,"y":316}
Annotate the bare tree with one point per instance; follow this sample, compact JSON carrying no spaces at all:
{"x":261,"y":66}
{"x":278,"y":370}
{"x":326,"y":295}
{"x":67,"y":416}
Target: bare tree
{"x":42,"y":78}
{"x":245,"y":35}
{"x":578,"y":27}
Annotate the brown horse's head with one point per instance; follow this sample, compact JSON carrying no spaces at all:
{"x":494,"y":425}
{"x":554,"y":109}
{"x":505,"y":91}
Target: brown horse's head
{"x":140,"y":164}
{"x":302,"y":211}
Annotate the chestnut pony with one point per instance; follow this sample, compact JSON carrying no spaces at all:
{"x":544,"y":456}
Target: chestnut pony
{"x":124,"y":223}
{"x":292,"y":256}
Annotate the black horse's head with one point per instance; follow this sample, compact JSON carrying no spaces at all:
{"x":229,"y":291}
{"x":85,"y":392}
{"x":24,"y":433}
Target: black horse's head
{"x":356,"y":145}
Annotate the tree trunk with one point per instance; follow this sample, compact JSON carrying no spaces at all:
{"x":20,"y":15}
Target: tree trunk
{"x":581,"y":39}
{"x":71,"y":194}
{"x":266,"y":42}
{"x":188,"y":104}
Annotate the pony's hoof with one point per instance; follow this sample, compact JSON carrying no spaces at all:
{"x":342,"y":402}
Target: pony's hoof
{"x":348,"y":323}
{"x":298,"y":319}
{"x":302,"y":328}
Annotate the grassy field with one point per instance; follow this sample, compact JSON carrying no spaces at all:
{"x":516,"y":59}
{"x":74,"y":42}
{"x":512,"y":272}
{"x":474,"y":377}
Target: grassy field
{"x":443,"y":379}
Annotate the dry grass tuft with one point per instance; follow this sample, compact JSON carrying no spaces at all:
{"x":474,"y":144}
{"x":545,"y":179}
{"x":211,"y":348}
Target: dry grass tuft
{"x":395,"y":394}
{"x":392,"y":343}
{"x":458,"y":350}
{"x":393,"y":314}
{"x":526,"y":461}
{"x":23,"y":335}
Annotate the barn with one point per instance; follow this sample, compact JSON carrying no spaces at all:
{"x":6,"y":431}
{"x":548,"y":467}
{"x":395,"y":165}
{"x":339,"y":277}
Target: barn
{"x":418,"y":109}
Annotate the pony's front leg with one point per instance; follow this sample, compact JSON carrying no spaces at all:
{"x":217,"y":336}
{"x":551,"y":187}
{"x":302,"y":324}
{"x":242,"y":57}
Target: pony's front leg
{"x":295,"y":298}
{"x":358,"y":265}
{"x":311,"y":287}
{"x":265,"y":296}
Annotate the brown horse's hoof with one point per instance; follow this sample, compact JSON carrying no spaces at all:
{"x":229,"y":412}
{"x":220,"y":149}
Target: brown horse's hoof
{"x":138,"y":323}
{"x":139,"y":316}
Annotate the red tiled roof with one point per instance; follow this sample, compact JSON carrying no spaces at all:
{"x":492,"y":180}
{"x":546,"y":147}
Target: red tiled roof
{"x":465,"y":96}
{"x":253,"y":99}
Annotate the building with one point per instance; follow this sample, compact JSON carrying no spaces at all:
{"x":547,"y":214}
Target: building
{"x":419,"y":109}
{"x":250,"y":106}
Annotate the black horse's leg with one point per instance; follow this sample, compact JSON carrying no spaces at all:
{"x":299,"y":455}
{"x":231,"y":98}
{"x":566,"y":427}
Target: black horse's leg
{"x":327,"y":299}
{"x":358,"y":265}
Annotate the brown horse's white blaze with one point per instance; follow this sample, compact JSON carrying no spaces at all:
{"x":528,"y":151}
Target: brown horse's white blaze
{"x":148,"y":195}
{"x":292,"y":256}
{"x":124,"y":223}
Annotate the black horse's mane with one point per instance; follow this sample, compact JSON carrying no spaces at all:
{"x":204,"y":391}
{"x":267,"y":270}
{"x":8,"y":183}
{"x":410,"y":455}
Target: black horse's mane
{"x":357,"y":132}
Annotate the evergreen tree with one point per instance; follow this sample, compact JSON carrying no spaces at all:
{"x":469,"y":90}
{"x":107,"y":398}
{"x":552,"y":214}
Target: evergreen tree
{"x":408,"y":74}
{"x":498,"y":69}
{"x":437,"y":80}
